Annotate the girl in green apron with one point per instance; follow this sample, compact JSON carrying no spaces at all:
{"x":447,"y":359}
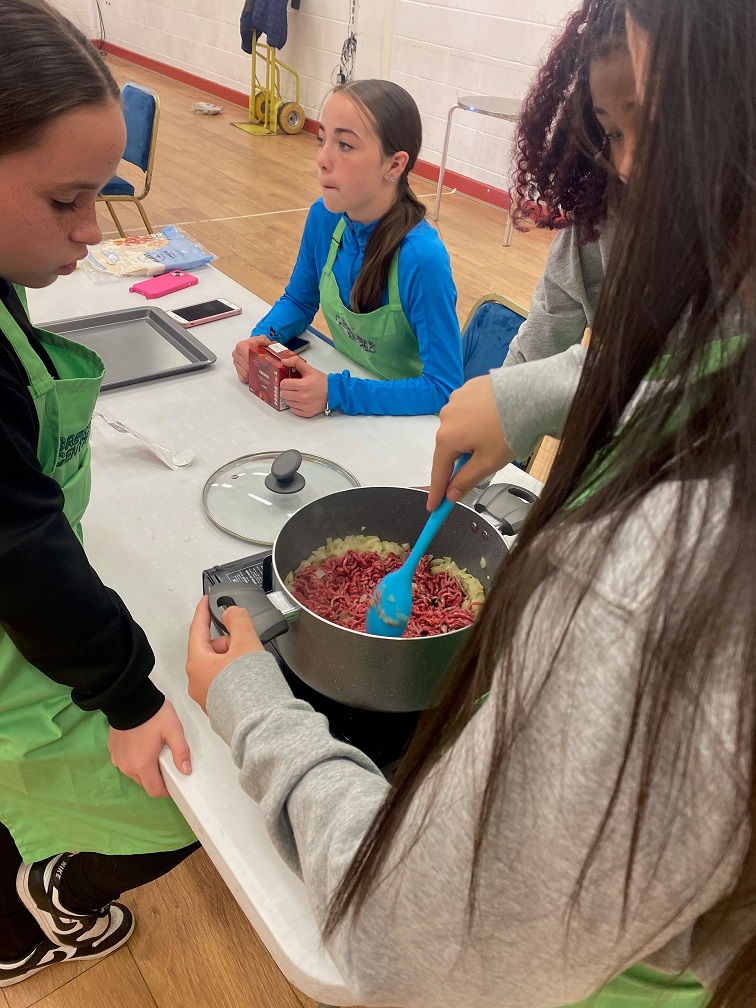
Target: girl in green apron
{"x":586,"y":835}
{"x":373,"y":264}
{"x":81,"y":725}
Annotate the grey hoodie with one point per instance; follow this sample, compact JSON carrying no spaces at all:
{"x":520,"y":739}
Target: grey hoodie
{"x":411,"y":945}
{"x":535,"y":396}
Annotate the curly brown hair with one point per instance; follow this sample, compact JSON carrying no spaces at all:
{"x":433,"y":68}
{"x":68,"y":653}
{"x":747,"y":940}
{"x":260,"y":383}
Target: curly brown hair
{"x":561,"y":177}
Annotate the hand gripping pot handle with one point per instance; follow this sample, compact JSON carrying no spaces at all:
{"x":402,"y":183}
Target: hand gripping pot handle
{"x":268,"y":620}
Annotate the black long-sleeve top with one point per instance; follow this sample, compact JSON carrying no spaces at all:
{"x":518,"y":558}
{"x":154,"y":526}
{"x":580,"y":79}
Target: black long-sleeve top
{"x":53,"y":606}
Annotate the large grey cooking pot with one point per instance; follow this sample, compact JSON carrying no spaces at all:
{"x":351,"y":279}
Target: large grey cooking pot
{"x":360,"y":669}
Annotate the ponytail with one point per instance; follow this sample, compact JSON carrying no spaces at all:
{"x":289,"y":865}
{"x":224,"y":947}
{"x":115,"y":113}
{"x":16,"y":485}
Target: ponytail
{"x":383,"y":243}
{"x":398,"y":126}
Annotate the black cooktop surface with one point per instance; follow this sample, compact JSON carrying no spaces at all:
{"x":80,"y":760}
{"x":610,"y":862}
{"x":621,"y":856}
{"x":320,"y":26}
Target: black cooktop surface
{"x":381,"y":736}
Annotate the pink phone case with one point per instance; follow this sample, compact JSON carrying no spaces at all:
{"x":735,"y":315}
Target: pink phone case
{"x":166,"y":283}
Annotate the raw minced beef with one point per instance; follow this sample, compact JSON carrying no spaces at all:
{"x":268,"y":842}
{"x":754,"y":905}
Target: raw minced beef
{"x":337,"y":582}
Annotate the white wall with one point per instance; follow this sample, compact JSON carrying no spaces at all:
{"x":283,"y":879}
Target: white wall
{"x":442,"y":49}
{"x":437,"y":49}
{"x":81,"y":12}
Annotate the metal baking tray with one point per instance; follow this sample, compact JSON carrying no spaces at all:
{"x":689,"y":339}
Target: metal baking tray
{"x":136,"y":344}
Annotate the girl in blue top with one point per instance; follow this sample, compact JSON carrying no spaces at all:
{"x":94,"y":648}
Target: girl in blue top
{"x":374,"y":265}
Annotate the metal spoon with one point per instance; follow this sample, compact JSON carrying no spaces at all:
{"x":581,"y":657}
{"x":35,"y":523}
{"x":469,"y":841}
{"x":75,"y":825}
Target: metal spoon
{"x":391,"y":604}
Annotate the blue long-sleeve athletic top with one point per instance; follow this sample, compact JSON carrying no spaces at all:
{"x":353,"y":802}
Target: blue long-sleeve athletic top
{"x":428,"y":297}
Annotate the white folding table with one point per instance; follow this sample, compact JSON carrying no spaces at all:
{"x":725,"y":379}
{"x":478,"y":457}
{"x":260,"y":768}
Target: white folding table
{"x":147,"y":536}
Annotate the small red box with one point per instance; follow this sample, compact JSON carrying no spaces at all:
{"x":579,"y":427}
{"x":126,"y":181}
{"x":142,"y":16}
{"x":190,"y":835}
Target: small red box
{"x":267,"y":371}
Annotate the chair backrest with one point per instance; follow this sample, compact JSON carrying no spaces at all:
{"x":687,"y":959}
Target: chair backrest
{"x":491,"y":326}
{"x":141,"y":110}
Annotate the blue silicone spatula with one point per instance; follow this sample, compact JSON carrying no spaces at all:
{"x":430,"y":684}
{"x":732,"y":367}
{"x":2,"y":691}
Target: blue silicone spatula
{"x":391,"y":604}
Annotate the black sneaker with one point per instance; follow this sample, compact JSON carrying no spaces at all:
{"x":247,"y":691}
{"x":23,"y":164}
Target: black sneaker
{"x":44,"y":954}
{"x":120,"y":925}
{"x":38,"y":886}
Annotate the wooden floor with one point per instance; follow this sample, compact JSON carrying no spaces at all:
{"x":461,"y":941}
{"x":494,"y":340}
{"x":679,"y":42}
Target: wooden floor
{"x":246,"y":199}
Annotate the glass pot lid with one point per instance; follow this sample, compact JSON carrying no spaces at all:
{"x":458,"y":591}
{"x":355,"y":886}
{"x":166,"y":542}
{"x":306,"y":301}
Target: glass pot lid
{"x":253,"y":497}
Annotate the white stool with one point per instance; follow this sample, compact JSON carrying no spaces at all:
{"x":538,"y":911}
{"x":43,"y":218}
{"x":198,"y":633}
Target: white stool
{"x":499,"y":108}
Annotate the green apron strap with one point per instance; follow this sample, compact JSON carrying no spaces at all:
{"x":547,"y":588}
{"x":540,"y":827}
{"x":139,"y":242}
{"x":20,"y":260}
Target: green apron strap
{"x":717,"y":355}
{"x":713,"y":358}
{"x":643,"y":986}
{"x":21,"y":291}
{"x":393,"y":281}
{"x":40,"y":380}
{"x":333,"y":251}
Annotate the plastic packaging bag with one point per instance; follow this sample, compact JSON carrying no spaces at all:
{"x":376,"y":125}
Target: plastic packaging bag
{"x":205,"y":108}
{"x":146,"y":255}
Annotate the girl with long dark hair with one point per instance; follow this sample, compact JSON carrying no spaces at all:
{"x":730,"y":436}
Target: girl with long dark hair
{"x":574,"y":819}
{"x":374,"y":265}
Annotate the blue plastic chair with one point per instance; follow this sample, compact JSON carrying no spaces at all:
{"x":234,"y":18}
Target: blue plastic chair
{"x":491,"y":326}
{"x":141,"y":110}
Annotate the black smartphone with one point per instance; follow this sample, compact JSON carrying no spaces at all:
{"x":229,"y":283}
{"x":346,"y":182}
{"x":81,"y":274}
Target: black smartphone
{"x":297,"y":344}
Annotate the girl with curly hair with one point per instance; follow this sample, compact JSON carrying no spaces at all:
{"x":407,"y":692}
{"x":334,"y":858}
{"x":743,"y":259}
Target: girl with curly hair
{"x":574,"y":144}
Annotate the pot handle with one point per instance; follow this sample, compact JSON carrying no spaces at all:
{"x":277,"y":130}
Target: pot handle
{"x":507,"y":505}
{"x":269,"y":622}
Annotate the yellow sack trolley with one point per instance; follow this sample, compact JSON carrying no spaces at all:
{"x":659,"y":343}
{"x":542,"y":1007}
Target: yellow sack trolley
{"x":269,"y":111}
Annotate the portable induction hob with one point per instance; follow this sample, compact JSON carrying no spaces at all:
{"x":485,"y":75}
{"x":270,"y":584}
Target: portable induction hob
{"x":381,"y":736}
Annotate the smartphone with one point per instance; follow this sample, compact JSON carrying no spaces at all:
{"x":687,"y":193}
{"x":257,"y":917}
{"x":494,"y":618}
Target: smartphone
{"x":208,"y":311}
{"x":297,"y":344}
{"x":294,"y":345}
{"x":166,"y":283}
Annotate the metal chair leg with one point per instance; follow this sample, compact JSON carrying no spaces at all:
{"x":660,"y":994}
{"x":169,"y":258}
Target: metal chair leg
{"x":117,"y":223}
{"x":147,"y":224}
{"x":508,"y":231}
{"x":442,"y":168}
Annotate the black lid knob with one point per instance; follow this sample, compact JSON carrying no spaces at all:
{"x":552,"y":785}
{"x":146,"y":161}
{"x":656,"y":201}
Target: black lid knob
{"x":284,"y":476}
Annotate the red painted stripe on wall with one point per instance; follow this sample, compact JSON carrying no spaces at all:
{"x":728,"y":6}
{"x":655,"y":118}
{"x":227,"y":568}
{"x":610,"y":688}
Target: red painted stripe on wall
{"x":426,"y":170}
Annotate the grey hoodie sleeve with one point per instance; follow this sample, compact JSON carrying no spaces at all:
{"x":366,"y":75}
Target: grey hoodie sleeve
{"x":534,"y":399}
{"x":565,"y":299}
{"x":413,"y":944}
{"x":251,"y":706}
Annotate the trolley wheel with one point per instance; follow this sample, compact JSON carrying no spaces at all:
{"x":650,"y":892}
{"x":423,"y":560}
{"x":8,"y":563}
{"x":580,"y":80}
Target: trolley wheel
{"x":261,"y":104}
{"x":291,"y":117}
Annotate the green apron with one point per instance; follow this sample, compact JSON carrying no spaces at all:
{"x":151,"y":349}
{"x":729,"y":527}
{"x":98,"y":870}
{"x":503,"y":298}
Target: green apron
{"x":381,"y":341}
{"x":58,"y":789}
{"x":719,"y":354}
{"x":642,"y":986}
